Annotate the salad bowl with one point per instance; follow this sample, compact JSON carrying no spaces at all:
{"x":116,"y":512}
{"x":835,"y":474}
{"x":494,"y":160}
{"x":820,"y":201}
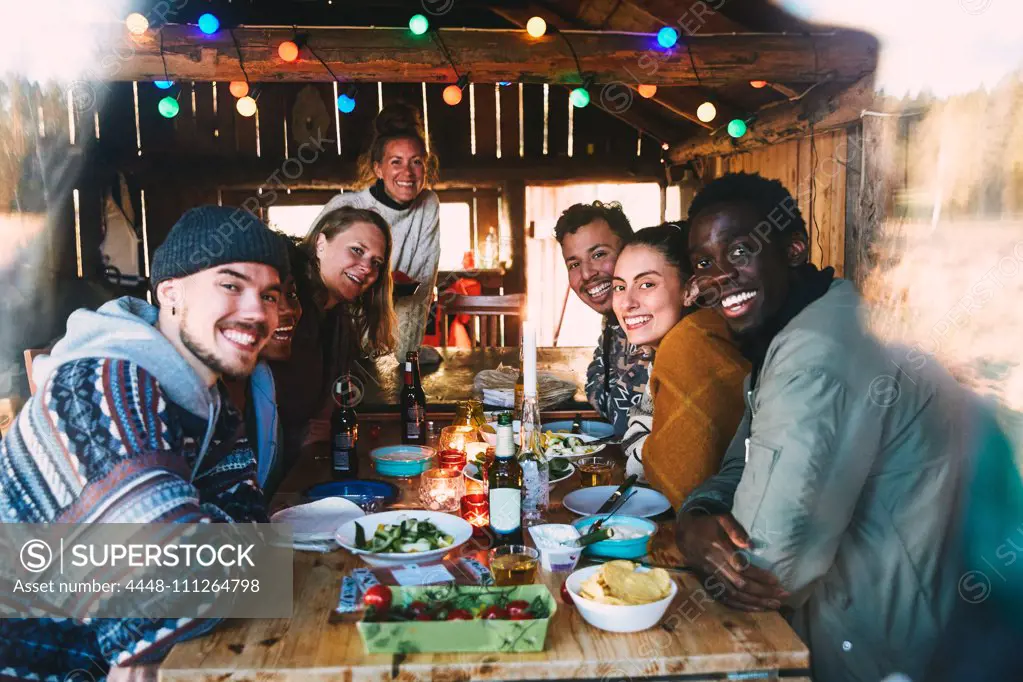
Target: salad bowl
{"x":399,"y":537}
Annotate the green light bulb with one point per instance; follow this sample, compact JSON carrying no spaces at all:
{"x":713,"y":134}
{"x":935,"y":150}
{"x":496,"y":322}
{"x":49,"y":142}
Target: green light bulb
{"x":418,"y":24}
{"x":168,"y":107}
{"x":579,"y":97}
{"x":736,"y":127}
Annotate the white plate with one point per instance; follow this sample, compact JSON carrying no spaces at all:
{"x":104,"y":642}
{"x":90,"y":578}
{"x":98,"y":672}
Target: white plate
{"x":319,"y":520}
{"x":472,"y":472}
{"x":644,"y":503}
{"x":452,"y":525}
{"x":585,"y":439}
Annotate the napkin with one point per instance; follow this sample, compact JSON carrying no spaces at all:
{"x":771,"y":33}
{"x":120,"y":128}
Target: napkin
{"x":314,"y":524}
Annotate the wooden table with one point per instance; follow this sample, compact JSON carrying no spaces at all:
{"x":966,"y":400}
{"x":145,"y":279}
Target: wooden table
{"x":704,"y":640}
{"x":452,"y":381}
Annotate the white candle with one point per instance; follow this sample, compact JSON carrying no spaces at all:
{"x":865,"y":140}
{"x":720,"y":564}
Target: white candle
{"x":529,"y":359}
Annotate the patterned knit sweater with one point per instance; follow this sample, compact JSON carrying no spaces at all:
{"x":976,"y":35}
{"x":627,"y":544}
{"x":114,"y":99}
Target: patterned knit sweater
{"x":103,"y":441}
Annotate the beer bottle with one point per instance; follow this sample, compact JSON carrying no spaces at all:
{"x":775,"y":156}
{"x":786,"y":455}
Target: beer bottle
{"x":504,"y":482}
{"x":344,"y":440}
{"x":413,"y":404}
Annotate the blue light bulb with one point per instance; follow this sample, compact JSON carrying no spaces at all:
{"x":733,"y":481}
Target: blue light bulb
{"x":667,"y":37}
{"x":164,"y":85}
{"x":345,"y":104}
{"x":208,"y":24}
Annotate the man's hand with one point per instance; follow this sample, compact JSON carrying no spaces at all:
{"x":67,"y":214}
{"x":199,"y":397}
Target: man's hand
{"x":712,"y":545}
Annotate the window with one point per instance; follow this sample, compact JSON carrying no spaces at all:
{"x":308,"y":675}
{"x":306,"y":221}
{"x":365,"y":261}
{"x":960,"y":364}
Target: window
{"x":455,"y":233}
{"x":293,"y":220}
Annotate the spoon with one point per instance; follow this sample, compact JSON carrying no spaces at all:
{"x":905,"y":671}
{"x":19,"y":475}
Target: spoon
{"x":621,"y":503}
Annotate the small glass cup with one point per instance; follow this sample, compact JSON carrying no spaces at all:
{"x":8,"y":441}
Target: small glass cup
{"x":514,"y":565}
{"x":475,"y":508}
{"x":457,"y":437}
{"x":451,"y":459}
{"x":441,"y":489}
{"x":595,"y":471}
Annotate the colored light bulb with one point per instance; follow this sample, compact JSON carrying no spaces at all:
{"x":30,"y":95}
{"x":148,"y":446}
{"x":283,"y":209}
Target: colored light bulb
{"x":168,"y":107}
{"x":209,"y":24}
{"x":758,"y":84}
{"x":667,"y":37}
{"x":246,"y":106}
{"x":418,"y":24}
{"x":647,"y":91}
{"x":452,"y":95}
{"x":137,"y":24}
{"x":579,"y":97}
{"x":238,"y":88}
{"x":736,"y":127}
{"x":345,"y":104}
{"x":706,"y":112}
{"x":164,"y":85}
{"x":536,"y":27}
{"x":288,"y":51}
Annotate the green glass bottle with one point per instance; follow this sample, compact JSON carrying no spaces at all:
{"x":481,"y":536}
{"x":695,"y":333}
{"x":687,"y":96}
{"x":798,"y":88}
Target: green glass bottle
{"x":504,"y":480}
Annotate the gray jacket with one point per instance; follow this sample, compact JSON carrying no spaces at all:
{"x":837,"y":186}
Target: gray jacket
{"x":847,"y":473}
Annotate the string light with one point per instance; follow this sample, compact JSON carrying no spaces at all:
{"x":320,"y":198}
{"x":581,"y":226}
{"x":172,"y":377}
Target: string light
{"x":246,"y":106}
{"x":536,"y":27}
{"x":579,"y":97}
{"x":452,"y":95}
{"x":164,"y":85}
{"x":736,"y":127}
{"x":758,"y":84}
{"x":706,"y":112}
{"x":209,"y":24}
{"x":667,"y":37}
{"x":647,"y":91}
{"x":238,"y":88}
{"x":288,"y":51}
{"x":137,"y":24}
{"x":418,"y":24}
{"x":345,"y":104}
{"x":168,"y":107}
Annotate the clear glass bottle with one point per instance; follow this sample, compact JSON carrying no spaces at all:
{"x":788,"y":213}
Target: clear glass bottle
{"x":490,"y":247}
{"x":536,"y":470}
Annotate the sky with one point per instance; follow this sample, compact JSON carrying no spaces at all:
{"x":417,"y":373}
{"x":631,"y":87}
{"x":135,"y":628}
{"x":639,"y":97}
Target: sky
{"x":946,"y":47}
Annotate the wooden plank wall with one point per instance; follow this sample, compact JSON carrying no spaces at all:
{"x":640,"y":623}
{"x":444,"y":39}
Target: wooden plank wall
{"x":814,"y":171}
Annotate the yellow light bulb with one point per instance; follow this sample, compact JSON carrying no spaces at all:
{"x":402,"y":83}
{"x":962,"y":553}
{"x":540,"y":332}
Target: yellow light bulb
{"x":239,"y":88}
{"x":137,"y":24}
{"x":536,"y":27}
{"x":706,"y":112}
{"x":647,"y":91}
{"x":246,"y":106}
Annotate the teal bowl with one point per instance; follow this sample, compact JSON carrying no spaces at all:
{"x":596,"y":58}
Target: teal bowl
{"x":402,"y":461}
{"x":632,"y":548}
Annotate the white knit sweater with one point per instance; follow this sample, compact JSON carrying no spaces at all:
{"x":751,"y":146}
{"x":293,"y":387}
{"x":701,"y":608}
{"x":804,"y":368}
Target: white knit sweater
{"x":416,"y":252}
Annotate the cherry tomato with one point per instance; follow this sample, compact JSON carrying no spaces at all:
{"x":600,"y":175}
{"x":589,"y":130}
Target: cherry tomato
{"x":418,"y":608}
{"x":565,"y":596}
{"x":522,"y":615}
{"x":517,"y":607}
{"x":494,"y":613}
{"x":459,"y":614}
{"x":379,"y":597}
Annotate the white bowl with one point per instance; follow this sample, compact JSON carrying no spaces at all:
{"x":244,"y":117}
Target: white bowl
{"x":615,"y":618}
{"x":456,"y":527}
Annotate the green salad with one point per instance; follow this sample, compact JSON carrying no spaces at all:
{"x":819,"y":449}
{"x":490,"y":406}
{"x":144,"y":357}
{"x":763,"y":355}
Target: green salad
{"x":409,"y":536}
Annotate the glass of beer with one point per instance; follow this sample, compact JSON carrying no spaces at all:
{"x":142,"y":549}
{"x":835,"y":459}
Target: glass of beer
{"x":513,"y":565}
{"x":594,"y":471}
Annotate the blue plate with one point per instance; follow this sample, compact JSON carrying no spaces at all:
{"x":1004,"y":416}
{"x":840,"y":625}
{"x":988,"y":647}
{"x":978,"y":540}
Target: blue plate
{"x":591,"y":427}
{"x":356,"y":490}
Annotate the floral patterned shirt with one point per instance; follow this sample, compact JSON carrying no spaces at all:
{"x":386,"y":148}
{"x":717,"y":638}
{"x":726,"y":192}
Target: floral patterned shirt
{"x":617,"y":375}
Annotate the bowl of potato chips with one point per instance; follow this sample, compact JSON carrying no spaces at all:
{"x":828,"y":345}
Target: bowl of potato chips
{"x":621,"y":596}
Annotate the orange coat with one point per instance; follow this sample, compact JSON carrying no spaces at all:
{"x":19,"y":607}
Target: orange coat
{"x":696,"y":387}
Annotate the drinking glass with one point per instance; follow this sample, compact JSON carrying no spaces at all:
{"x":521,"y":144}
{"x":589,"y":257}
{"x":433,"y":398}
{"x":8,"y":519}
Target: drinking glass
{"x":514,"y":565}
{"x":594,"y":471}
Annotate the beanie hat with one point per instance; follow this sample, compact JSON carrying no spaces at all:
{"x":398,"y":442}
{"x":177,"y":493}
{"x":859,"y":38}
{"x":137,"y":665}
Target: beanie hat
{"x":208,"y":236}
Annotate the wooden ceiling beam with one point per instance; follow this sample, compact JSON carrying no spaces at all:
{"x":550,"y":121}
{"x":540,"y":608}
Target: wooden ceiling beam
{"x":488,"y":56}
{"x":688,"y":17}
{"x":828,"y":107}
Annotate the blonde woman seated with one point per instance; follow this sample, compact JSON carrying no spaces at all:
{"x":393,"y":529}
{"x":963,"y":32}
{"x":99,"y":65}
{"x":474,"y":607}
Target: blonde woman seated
{"x":679,"y":431}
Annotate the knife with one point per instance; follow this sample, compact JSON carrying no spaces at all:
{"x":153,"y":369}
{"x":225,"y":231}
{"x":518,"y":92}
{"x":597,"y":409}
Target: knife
{"x":607,"y":506}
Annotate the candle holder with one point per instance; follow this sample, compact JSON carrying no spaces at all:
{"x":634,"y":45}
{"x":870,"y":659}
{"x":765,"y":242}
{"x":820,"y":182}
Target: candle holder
{"x":451,"y":459}
{"x":476,"y":510}
{"x":441,"y":489}
{"x":457,"y":437}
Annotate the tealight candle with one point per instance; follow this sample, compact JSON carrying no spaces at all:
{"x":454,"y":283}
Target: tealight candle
{"x":457,"y":437}
{"x":441,"y":489}
{"x":476,"y":510}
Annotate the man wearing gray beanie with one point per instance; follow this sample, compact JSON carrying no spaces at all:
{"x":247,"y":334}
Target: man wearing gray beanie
{"x":130,"y":422}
